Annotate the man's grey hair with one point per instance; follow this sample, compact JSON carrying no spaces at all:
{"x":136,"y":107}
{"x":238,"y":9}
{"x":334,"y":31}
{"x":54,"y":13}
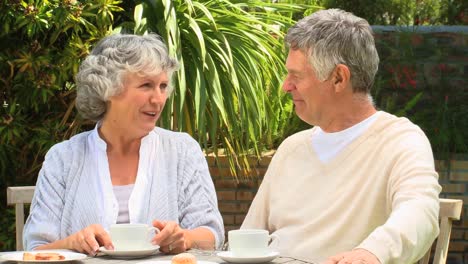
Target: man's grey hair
{"x":331,"y":37}
{"x":102,"y":73}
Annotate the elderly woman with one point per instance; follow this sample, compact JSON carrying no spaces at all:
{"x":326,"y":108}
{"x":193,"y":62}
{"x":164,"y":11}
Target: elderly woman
{"x":126,"y":170}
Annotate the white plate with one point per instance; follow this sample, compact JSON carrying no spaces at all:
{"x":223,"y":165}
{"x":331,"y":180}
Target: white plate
{"x":130,"y":253}
{"x":18,"y":256}
{"x":169,"y":262}
{"x":227,"y":256}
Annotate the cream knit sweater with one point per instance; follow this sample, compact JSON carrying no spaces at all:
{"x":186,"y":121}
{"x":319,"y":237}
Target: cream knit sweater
{"x":380,"y":193}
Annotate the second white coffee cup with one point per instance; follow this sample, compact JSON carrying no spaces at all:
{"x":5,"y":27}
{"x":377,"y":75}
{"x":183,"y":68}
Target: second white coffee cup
{"x":250,"y":242}
{"x":132,"y":236}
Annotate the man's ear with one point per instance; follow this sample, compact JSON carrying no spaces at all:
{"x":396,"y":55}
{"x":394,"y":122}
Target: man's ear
{"x":341,"y":77}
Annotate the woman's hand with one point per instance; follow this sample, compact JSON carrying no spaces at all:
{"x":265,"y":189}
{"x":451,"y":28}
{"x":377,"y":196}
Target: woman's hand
{"x":90,"y":239}
{"x":172,"y":238}
{"x":87,"y":240}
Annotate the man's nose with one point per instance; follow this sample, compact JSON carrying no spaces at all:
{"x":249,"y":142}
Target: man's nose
{"x":287,"y":85}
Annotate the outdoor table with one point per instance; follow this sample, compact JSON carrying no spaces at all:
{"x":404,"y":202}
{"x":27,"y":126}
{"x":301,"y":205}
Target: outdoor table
{"x":201,"y":256}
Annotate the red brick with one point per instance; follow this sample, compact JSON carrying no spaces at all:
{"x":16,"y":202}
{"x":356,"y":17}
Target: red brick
{"x":443,"y":176}
{"x":233,"y":207}
{"x":258,"y":172}
{"x":457,"y":246}
{"x":455,"y":258}
{"x":253,"y":161}
{"x":440,"y":165}
{"x":228,"y":219}
{"x":250,"y":184}
{"x":228,"y":207}
{"x":239,"y":219}
{"x":229,"y":228}
{"x":226,"y":195}
{"x":265,"y":161}
{"x":226,"y":184}
{"x":457,"y":234}
{"x":245,"y":195}
{"x":220,"y":172}
{"x":459,"y":176}
{"x":223,"y":161}
{"x":459,"y":164}
{"x":453,"y":188}
{"x":211,"y":160}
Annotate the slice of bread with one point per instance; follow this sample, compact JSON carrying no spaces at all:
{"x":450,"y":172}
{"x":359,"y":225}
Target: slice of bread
{"x":29,"y":256}
{"x":43,"y":256}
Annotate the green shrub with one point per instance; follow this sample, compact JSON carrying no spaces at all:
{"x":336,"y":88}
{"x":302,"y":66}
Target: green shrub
{"x":41,"y":45}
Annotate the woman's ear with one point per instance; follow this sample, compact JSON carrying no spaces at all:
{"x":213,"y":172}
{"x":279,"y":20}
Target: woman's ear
{"x":341,"y":77}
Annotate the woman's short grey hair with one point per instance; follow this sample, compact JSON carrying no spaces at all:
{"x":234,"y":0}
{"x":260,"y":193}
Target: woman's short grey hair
{"x":331,"y":37}
{"x":102,"y":73}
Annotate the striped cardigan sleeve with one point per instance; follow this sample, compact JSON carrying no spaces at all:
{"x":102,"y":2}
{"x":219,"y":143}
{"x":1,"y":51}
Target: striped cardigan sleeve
{"x":197,"y":197}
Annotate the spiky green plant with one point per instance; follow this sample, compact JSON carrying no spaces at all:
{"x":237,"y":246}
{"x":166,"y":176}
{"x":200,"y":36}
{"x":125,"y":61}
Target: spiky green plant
{"x":232,"y":64}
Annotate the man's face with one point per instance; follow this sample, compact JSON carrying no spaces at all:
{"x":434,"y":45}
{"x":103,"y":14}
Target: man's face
{"x":311,"y":96}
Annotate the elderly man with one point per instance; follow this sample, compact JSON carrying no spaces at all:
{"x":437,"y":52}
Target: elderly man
{"x":360,"y":186}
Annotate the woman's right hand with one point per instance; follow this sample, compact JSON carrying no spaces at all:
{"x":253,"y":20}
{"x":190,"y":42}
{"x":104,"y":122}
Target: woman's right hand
{"x":87,"y":240}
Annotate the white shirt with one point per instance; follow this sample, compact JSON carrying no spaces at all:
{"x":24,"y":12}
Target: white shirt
{"x":328,"y":145}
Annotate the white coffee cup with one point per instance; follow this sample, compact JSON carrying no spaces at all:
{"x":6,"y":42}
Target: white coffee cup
{"x":249,"y":242}
{"x":132,"y":236}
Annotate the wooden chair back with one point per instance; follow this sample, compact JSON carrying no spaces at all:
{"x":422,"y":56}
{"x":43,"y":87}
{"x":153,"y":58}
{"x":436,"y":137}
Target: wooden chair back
{"x":450,"y":209}
{"x":19,"y":196}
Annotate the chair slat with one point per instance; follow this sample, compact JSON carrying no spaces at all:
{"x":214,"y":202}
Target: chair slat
{"x":19,"y":196}
{"x":450,"y":209}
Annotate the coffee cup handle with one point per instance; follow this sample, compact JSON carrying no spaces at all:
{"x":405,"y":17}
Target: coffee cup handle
{"x":154,"y":229}
{"x":272,"y":237}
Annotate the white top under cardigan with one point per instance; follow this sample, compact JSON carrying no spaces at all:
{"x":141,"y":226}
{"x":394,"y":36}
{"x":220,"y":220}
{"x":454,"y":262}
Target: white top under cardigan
{"x":74,"y":189}
{"x":122,"y":194}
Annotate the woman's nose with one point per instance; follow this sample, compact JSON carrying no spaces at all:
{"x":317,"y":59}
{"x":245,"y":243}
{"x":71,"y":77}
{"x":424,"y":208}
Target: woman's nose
{"x":158,"y":96}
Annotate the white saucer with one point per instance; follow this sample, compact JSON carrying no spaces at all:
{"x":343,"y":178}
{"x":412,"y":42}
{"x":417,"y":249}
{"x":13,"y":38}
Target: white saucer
{"x":227,"y":256}
{"x":130,"y":253}
{"x":169,"y":262}
{"x":18,"y":256}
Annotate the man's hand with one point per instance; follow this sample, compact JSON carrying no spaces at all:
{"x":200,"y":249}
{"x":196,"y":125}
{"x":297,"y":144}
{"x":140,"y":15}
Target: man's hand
{"x":357,"y":256}
{"x":171,"y":239}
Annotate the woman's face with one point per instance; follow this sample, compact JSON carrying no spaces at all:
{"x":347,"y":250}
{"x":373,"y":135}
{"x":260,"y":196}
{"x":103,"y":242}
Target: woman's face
{"x":139,"y":106}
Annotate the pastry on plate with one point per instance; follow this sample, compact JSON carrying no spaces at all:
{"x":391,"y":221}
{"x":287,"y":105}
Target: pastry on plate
{"x":43,"y":256}
{"x":184,"y":258}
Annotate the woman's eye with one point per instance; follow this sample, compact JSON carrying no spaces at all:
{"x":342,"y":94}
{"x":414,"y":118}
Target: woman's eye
{"x":163,"y":86}
{"x":146,"y":85}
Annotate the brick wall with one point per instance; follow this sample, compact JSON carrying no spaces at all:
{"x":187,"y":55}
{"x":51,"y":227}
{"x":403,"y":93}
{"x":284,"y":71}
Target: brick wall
{"x":235,"y":196}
